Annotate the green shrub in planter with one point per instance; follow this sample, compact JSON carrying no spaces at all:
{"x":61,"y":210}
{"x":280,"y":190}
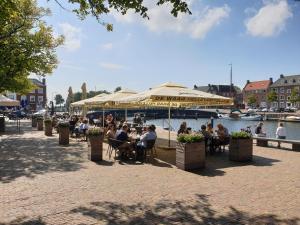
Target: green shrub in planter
{"x":240,"y":135}
{"x":190,"y":138}
{"x":39,"y":118}
{"x":48,"y":121}
{"x":63,"y":124}
{"x":95,"y":131}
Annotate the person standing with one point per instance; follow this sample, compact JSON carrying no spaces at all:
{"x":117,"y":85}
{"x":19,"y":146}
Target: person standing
{"x":280,"y":133}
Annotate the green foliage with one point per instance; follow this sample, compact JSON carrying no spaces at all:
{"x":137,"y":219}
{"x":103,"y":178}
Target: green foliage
{"x":252,"y":99}
{"x":59,"y":99}
{"x":27,"y":44}
{"x":118,"y":89}
{"x":90,"y":94}
{"x":63,"y":124}
{"x":95,"y":131}
{"x":48,"y":121}
{"x":98,"y":8}
{"x":190,"y":138}
{"x":272,"y":96}
{"x":240,"y":135}
{"x":295,"y":97}
{"x":39,"y":118}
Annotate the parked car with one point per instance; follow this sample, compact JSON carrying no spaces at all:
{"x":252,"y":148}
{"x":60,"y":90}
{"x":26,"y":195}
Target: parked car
{"x":264,"y":110}
{"x":289,"y":109}
{"x":17,"y":114}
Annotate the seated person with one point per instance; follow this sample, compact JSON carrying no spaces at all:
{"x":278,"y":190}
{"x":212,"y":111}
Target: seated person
{"x":210,"y":128}
{"x":259,"y":130}
{"x":124,"y":147}
{"x":207,"y":136}
{"x":150,"y":134}
{"x":111,"y":133}
{"x":72,"y":123}
{"x":82,"y":128}
{"x":182,"y":129}
{"x":223,"y":136}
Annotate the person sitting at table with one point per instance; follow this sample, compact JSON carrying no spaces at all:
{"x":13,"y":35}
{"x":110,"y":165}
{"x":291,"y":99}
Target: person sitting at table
{"x":259,"y":130}
{"x":82,"y":128}
{"x":72,"y":126}
{"x":111,"y":133}
{"x":223,"y":136}
{"x":125,"y":147}
{"x":182,"y":129}
{"x":207,"y":137}
{"x":150,"y":134}
{"x":210,"y":129}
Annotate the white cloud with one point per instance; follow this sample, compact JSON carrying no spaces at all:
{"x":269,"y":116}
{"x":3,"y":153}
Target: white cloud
{"x":107,"y":46}
{"x":72,"y":36}
{"x":270,"y":20}
{"x":196,"y":26}
{"x":111,"y":66}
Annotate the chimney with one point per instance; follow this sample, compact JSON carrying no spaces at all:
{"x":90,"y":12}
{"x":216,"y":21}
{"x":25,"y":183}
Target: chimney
{"x":281,"y":76}
{"x":248,"y":81}
{"x":208,"y":85}
{"x":44,"y":81}
{"x":271,"y":80}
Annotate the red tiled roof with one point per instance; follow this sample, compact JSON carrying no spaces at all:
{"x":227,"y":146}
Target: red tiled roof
{"x":257,"y":85}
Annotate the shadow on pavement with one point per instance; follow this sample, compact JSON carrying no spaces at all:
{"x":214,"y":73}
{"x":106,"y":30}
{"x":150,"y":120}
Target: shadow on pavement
{"x":167,"y":212}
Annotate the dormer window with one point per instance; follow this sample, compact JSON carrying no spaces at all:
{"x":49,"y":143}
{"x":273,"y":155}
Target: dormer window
{"x":285,"y":81}
{"x":294,"y":81}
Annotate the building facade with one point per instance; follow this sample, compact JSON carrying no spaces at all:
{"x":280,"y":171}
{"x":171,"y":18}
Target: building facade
{"x":258,"y":89}
{"x":283,"y":88}
{"x":229,"y":91}
{"x":36,"y":99}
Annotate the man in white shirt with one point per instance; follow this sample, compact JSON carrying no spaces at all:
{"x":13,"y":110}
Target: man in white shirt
{"x":280,"y":133}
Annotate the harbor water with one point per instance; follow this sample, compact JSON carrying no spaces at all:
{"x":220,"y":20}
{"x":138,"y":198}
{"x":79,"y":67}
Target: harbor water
{"x":292,"y":128}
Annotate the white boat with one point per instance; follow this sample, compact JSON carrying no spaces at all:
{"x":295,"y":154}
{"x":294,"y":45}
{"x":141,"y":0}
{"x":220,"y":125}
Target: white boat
{"x":252,"y":117}
{"x":293,"y":118}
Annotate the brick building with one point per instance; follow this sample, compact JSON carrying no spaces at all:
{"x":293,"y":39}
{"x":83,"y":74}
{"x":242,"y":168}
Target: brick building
{"x":229,"y":91}
{"x":259,"y":89}
{"x":37,"y":98}
{"x":283,"y":87}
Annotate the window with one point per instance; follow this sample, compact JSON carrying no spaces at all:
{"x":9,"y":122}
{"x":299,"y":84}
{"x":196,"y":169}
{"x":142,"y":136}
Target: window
{"x":275,"y":104}
{"x":288,"y":98}
{"x":32,"y":98}
{"x":275,"y":89}
{"x":282,"y":105}
{"x":282,"y":90}
{"x":40,"y":99}
{"x":281,"y":97}
{"x":32,"y":92}
{"x":40,"y":90}
{"x":285,"y":81}
{"x":288,"y":91}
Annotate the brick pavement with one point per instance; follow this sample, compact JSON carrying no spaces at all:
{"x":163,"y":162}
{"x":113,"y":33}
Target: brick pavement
{"x":44,"y":183}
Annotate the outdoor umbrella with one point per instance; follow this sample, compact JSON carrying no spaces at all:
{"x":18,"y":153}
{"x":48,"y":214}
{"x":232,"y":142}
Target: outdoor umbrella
{"x":171,"y":95}
{"x":4,"y":101}
{"x":109,"y":101}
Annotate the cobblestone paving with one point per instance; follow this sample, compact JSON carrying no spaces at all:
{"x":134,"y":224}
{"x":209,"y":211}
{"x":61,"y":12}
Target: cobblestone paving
{"x":44,"y":183}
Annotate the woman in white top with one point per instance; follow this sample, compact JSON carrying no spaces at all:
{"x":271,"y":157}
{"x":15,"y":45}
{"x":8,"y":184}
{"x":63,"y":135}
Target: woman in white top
{"x":280,"y":133}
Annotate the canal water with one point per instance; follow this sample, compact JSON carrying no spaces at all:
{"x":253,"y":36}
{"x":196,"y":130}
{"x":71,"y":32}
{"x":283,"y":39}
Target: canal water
{"x":292,"y":128}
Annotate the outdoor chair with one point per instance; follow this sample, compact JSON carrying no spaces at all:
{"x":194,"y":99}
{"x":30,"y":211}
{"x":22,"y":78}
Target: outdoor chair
{"x":81,"y":134}
{"x":113,"y":145}
{"x":150,"y":150}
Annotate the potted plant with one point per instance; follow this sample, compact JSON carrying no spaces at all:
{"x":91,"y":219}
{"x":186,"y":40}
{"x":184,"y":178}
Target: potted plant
{"x":64,"y":130}
{"x":240,"y":146}
{"x":190,"y":151}
{"x":48,"y":127}
{"x":34,"y":121}
{"x":95,"y":139}
{"x":40,"y":123}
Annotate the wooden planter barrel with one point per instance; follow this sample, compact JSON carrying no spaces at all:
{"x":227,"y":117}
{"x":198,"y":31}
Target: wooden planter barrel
{"x":33,"y":122}
{"x":48,"y":129}
{"x":2,"y":124}
{"x":40,"y":124}
{"x":190,"y":156}
{"x":95,"y":147}
{"x":241,"y":149}
{"x":64,"y":135}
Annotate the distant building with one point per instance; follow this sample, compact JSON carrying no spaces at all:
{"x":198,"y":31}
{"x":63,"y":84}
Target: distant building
{"x":229,"y":91}
{"x":259,"y":89}
{"x":283,"y":87}
{"x":37,"y":98}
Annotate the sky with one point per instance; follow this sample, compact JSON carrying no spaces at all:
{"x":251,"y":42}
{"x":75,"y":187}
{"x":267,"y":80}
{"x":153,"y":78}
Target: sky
{"x":261,"y":38}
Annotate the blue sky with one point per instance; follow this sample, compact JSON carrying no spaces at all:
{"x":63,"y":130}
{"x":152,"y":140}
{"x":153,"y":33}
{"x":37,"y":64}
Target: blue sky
{"x":261,"y":38}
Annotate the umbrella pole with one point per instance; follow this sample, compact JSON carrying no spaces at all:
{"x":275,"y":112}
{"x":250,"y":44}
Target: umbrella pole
{"x":125,"y":114}
{"x":169,"y":124}
{"x":103,"y":115}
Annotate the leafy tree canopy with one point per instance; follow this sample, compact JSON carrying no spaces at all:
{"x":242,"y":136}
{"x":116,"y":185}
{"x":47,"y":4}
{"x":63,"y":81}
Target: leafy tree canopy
{"x":272,"y":96}
{"x":118,"y":89}
{"x":295,"y":97}
{"x":252,"y":99}
{"x":97,"y":8}
{"x":27,"y":44}
{"x":59,"y":99}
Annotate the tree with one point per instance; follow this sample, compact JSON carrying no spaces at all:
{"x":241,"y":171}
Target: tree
{"x":295,"y":98}
{"x":27,"y":44}
{"x":59,"y":99}
{"x":97,"y":8}
{"x":272,"y":96}
{"x":252,"y":99}
{"x":118,"y":89}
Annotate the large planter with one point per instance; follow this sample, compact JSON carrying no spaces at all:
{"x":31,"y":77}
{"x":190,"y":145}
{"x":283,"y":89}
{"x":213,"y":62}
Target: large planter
{"x":33,"y":121}
{"x":48,"y":128}
{"x":64,"y":135}
{"x":2,"y":124}
{"x":95,"y":147}
{"x":241,"y":149}
{"x":40,"y":124}
{"x":190,"y":156}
